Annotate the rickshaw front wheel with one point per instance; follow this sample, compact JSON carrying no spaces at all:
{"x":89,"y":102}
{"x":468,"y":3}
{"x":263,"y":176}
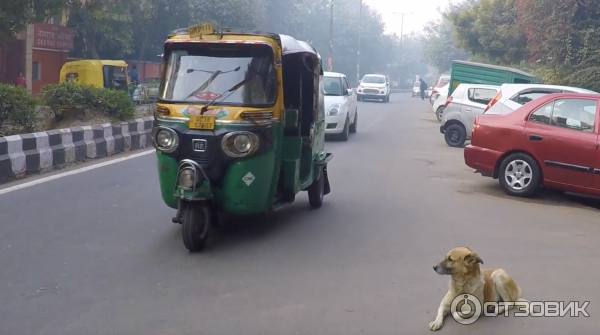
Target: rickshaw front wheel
{"x":196,"y":224}
{"x":316,"y":191}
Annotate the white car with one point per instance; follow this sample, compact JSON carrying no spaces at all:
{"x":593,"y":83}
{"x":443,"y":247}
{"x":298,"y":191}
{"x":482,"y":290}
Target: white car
{"x":341,"y":110}
{"x":440,"y":101}
{"x":513,"y":96}
{"x":374,"y":86}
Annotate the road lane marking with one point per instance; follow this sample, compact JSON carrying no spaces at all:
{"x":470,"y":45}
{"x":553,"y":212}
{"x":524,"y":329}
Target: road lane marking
{"x":73,"y":172}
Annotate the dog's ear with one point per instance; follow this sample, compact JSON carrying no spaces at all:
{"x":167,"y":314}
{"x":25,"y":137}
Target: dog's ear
{"x":473,"y":258}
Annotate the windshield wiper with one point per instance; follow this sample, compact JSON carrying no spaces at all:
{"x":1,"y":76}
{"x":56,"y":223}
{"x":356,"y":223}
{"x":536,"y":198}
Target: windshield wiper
{"x":226,"y":94}
{"x":208,"y":81}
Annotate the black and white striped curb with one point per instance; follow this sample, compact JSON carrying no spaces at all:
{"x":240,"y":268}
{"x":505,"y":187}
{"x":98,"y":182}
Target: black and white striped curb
{"x":33,"y":153}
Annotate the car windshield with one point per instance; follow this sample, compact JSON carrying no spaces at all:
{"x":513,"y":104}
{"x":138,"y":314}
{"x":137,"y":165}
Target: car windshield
{"x":332,"y":85}
{"x":373,"y":80}
{"x":198,"y":74}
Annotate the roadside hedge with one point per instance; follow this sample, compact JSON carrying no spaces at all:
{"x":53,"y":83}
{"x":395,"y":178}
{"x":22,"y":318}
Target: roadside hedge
{"x":588,"y":78}
{"x":18,"y":106}
{"x":73,"y":100}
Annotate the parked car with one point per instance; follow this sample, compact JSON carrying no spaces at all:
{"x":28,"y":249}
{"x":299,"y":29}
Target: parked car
{"x":440,"y":102}
{"x":341,"y":110}
{"x":442,"y":84}
{"x":551,"y":141}
{"x":147,"y":90}
{"x":416,"y":90}
{"x":374,"y":86}
{"x":513,"y":96}
{"x":466,"y":102}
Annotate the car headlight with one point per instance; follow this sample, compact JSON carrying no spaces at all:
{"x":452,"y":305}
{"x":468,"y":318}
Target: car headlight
{"x":240,"y":143}
{"x":165,"y":139}
{"x":333,"y":110}
{"x":186,"y":178}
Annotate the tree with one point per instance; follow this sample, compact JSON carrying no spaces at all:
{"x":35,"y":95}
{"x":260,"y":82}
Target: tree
{"x":103,"y":27}
{"x":154,"y":20}
{"x":17,"y":14}
{"x":561,"y":33}
{"x":439,"y":45}
{"x":489,"y":29}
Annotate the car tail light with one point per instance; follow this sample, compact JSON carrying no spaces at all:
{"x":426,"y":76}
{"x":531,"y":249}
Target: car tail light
{"x":448,"y":101}
{"x":475,"y":126}
{"x":493,"y":102}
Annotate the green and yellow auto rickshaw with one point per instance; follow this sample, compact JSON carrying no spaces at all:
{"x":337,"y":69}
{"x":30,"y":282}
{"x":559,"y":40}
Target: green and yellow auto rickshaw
{"x":239,"y":126}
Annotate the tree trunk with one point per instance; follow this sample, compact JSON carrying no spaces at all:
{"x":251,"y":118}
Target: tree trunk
{"x":143,"y":47}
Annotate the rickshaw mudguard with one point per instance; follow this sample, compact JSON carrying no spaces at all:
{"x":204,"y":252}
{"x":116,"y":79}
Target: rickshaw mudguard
{"x":167,"y":177}
{"x":249,"y":184}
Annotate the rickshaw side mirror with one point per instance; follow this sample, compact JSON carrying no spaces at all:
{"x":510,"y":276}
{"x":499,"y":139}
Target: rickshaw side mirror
{"x":290,"y":118}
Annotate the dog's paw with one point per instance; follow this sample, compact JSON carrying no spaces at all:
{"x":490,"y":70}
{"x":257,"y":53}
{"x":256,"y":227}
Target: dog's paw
{"x":436,"y":325}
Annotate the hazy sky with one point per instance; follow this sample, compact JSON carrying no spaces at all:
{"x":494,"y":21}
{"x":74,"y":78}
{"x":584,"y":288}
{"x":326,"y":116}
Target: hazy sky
{"x":423,"y":11}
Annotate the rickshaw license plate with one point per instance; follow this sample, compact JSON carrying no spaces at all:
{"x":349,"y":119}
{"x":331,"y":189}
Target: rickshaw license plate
{"x":204,"y":122}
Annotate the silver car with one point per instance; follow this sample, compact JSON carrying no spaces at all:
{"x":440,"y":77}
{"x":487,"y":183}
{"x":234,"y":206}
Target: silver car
{"x":466,"y":102}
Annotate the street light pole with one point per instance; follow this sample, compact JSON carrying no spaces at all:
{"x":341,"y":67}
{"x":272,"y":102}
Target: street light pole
{"x":358,"y":48}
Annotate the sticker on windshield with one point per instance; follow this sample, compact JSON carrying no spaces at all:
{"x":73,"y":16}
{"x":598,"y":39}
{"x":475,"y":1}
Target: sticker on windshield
{"x":207,"y":95}
{"x":218,"y":112}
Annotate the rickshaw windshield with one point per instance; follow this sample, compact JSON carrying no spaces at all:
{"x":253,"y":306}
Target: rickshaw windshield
{"x":200,"y":74}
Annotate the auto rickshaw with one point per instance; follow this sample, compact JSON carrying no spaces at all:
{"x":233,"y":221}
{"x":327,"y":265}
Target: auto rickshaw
{"x":98,"y":73}
{"x":239,"y":126}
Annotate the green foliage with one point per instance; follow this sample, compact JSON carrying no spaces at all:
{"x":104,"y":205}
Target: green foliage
{"x":439,"y":45}
{"x":16,"y":15}
{"x":588,"y":78}
{"x":18,"y":106}
{"x":76,"y":100}
{"x":489,"y":29}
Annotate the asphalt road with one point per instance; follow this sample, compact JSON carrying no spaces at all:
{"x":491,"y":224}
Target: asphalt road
{"x":96,"y":253}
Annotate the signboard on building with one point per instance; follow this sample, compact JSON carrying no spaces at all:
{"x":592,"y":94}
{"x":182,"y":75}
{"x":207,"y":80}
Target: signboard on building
{"x":52,"y":37}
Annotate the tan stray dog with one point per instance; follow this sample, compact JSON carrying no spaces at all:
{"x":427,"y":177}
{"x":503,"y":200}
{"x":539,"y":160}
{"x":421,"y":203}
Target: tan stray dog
{"x":495,"y":285}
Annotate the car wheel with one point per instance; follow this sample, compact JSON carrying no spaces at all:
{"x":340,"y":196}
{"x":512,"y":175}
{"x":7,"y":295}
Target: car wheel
{"x":455,"y":135}
{"x":346,"y":132}
{"x":520,"y":175}
{"x":439,"y":113}
{"x":354,"y":125}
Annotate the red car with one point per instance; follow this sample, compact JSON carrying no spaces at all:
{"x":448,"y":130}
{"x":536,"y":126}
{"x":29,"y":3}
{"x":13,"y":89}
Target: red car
{"x":551,"y":141}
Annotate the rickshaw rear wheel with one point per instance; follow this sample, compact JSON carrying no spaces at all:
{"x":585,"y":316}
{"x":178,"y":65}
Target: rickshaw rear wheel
{"x":196,"y":224}
{"x":316,"y":191}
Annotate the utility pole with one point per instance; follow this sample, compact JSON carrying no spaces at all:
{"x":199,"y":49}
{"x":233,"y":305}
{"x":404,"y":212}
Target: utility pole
{"x":331,"y":36}
{"x":402,"y":24}
{"x":358,"y":48}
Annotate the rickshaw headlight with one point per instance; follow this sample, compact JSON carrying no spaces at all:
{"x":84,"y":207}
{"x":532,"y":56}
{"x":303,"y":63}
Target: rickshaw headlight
{"x":166,"y":140}
{"x":240,"y":143}
{"x":187,"y":178}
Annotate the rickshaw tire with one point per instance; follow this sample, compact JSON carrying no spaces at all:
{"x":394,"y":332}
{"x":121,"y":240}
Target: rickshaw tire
{"x":195,"y":234}
{"x":354,"y":125}
{"x":316,"y":191}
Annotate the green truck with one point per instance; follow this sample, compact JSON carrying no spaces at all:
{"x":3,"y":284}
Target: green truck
{"x":479,"y":73}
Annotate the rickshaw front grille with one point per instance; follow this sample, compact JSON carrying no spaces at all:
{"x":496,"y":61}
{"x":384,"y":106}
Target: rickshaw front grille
{"x":257,"y":116}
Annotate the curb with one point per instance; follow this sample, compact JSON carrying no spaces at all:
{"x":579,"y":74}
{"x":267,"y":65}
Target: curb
{"x":26,"y":154}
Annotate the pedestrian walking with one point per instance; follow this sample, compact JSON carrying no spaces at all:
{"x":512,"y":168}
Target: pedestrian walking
{"x":423,"y":88}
